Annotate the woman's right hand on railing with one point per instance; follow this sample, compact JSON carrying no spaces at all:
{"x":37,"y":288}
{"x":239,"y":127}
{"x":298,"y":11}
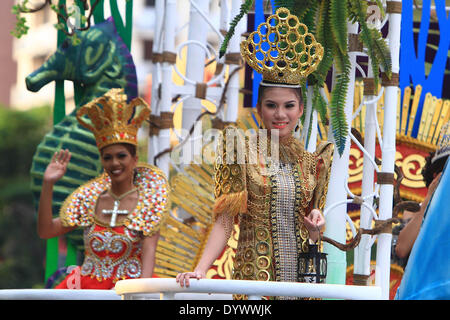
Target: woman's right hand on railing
{"x":183,"y":278}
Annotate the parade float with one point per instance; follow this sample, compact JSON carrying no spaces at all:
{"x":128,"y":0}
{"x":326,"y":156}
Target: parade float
{"x":383,"y":120}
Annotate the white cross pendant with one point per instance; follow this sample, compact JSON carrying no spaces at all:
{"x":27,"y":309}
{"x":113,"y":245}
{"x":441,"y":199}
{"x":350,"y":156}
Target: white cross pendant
{"x":114,"y":212}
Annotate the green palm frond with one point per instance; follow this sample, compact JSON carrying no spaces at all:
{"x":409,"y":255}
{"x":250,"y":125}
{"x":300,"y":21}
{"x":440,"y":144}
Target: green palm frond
{"x":357,"y":13}
{"x":357,"y":10}
{"x":296,"y":7}
{"x":380,"y":6}
{"x":310,"y":16}
{"x":372,"y":39}
{"x":322,"y":21}
{"x":339,"y":60}
{"x":319,"y":76}
{"x":304,"y":95}
{"x":382,"y":51}
{"x":338,"y":18}
{"x":325,"y":38}
{"x":320,"y":105}
{"x":284,"y":3}
{"x":305,"y":10}
{"x":337,"y":107}
{"x":245,"y":8}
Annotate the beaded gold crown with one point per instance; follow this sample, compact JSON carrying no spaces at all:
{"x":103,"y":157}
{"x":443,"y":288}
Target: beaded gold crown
{"x":282,"y":49}
{"x":113,"y":120}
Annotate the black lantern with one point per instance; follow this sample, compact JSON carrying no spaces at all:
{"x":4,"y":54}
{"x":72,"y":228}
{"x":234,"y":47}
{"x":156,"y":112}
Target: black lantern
{"x":312,"y":265}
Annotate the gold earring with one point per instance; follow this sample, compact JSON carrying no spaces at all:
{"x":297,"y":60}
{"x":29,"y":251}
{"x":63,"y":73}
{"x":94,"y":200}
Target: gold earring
{"x":297,"y":127}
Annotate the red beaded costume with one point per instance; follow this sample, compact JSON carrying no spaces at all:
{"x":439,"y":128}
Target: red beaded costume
{"x":113,"y":250}
{"x":114,"y":253}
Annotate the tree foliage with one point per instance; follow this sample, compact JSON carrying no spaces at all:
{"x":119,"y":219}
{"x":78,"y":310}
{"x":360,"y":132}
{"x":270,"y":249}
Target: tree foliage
{"x":21,"y":251}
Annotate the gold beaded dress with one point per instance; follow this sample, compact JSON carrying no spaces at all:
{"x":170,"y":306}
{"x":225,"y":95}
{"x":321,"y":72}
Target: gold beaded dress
{"x":269,"y":200}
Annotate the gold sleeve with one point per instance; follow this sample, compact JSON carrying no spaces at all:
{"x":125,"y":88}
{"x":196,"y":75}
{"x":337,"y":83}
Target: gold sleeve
{"x":230,"y":175}
{"x":324,"y":155}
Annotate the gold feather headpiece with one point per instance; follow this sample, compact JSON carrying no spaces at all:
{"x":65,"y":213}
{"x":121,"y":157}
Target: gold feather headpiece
{"x":282,"y":50}
{"x":113,"y":120}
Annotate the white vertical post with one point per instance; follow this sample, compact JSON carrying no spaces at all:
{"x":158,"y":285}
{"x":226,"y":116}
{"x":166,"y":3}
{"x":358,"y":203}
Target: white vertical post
{"x":311,"y":114}
{"x":195,"y":62}
{"x":166,"y":86}
{"x":312,"y":141}
{"x":224,"y":14}
{"x":362,"y":252}
{"x":231,"y":112}
{"x":382,"y":272}
{"x":195,"y":66}
{"x":153,"y":143}
{"x":336,"y":219}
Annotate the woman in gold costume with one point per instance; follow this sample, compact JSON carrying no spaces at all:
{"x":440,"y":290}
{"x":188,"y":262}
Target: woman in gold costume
{"x":277,"y":203}
{"x":121,"y":211}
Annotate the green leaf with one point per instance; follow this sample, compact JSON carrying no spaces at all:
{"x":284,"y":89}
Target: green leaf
{"x":380,"y":6}
{"x":357,"y":14}
{"x":323,"y":23}
{"x":338,"y":17}
{"x":320,"y":104}
{"x":21,"y":27}
{"x":245,"y":7}
{"x":296,"y":7}
{"x":325,"y":38}
{"x":337,"y":108}
{"x":340,"y":59}
{"x":372,"y":39}
{"x":357,"y":10}
{"x":382,"y":51}
{"x":309,"y":18}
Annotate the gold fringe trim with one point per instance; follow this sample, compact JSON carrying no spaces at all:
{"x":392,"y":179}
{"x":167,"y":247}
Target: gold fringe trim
{"x":232,"y":204}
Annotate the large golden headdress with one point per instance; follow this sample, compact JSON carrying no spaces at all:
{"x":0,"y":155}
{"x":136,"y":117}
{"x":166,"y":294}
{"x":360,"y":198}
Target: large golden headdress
{"x":113,"y":119}
{"x":282,"y":50}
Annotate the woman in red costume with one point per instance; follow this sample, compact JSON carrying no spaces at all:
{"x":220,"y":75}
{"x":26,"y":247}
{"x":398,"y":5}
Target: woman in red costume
{"x":121,"y":211}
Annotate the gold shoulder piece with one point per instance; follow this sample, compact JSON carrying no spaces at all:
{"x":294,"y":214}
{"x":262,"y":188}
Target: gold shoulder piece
{"x":153,"y":203}
{"x":230,"y":174}
{"x":325,"y":149}
{"x":153,"y":168}
{"x":324,"y":156}
{"x":78,"y":208}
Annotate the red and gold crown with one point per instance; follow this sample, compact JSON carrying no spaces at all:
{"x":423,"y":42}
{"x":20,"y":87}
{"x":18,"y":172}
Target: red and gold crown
{"x":113,"y":120}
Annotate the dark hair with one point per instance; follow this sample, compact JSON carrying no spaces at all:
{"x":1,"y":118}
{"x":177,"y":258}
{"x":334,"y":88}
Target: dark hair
{"x":430,"y":170}
{"x":130,"y":147}
{"x":263,"y":88}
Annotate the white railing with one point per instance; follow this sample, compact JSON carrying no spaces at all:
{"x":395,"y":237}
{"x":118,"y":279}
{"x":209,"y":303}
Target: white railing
{"x":169,"y":289}
{"x":57,"y":294}
{"x":89,"y":294}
